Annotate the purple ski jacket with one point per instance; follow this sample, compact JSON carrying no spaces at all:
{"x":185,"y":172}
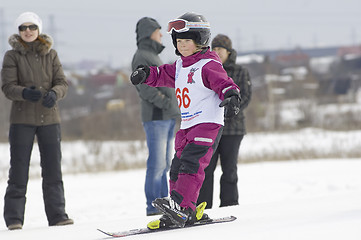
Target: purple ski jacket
{"x":213,"y":75}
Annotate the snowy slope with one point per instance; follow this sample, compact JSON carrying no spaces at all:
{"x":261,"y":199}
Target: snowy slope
{"x":314,"y":199}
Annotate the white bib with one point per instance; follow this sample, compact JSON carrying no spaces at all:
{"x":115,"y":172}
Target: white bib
{"x":197,"y":103}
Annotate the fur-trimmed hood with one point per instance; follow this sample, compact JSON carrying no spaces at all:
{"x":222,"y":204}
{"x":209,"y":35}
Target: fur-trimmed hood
{"x":41,"y":47}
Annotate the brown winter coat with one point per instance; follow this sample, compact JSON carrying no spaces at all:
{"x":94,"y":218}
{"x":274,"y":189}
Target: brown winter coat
{"x":32,"y":64}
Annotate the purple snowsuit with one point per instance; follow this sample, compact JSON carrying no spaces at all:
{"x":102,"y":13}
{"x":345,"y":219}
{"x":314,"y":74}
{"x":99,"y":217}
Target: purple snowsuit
{"x":193,"y":156}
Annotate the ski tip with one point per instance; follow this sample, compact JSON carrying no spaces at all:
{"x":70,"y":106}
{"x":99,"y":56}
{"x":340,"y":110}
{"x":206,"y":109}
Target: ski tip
{"x":230,"y":218}
{"x":104,"y":232}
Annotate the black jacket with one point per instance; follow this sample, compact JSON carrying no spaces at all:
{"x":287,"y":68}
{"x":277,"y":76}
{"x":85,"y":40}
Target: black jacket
{"x":240,"y":75}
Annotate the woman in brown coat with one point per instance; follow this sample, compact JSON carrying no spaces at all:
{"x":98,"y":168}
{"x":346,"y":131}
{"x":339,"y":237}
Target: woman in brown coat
{"x":33,"y":79}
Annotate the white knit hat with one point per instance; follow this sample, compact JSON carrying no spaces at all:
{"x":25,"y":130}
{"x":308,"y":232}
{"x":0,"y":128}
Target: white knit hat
{"x":29,"y":17}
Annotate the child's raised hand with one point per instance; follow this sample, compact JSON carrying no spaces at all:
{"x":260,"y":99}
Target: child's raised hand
{"x":140,"y":75}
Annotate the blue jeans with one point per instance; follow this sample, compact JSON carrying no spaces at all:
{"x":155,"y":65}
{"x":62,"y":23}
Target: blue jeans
{"x":159,"y":136}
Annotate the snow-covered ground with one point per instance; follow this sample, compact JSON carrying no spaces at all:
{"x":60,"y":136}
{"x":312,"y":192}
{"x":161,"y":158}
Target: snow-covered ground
{"x":289,"y":200}
{"x":314,"y":199}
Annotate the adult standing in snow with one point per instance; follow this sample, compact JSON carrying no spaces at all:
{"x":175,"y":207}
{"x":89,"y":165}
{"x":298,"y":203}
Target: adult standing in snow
{"x":159,"y":112}
{"x":33,"y":79}
{"x":233,"y":132}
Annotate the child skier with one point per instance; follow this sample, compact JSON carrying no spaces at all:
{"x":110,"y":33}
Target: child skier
{"x":202,"y":88}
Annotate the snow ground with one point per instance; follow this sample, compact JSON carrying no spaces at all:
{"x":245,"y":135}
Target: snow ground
{"x":290,"y":200}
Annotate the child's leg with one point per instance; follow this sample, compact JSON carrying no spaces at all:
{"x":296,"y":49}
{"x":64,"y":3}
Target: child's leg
{"x":180,"y":142}
{"x":195,"y":149}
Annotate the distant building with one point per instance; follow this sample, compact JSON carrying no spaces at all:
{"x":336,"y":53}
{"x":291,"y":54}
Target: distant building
{"x":349,"y":51}
{"x":294,"y":59}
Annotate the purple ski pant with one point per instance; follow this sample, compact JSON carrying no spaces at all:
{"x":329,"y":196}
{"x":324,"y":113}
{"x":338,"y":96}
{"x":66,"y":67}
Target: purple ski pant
{"x":194,"y":149}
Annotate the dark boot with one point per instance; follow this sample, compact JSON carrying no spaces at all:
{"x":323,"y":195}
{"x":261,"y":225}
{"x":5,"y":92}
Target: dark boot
{"x":177,"y":214}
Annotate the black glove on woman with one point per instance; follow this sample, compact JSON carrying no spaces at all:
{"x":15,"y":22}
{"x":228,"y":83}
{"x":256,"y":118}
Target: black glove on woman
{"x":49,"y":99}
{"x":31,"y":94}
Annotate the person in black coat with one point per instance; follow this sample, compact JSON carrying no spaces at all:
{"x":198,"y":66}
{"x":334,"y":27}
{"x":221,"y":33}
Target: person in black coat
{"x":233,"y":132}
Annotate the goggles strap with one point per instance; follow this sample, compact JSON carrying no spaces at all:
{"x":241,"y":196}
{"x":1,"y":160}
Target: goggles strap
{"x":181,"y":25}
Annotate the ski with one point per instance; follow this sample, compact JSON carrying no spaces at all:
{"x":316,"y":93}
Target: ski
{"x":138,"y":231}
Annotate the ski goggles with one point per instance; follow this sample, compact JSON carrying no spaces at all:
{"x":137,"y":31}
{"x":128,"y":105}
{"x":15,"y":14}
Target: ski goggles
{"x":181,"y":25}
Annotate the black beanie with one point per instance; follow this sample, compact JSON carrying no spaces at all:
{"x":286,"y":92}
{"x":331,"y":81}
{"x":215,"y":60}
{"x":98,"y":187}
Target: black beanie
{"x":222,"y":41}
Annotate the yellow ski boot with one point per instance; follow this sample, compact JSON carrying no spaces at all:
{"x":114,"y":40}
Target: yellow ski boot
{"x":165,"y":222}
{"x":200,"y":211}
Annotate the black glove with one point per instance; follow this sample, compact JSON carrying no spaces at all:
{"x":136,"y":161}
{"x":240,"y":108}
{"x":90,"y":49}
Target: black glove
{"x":49,"y":99}
{"x":140,"y":74}
{"x":31,"y":94}
{"x":231,"y":103}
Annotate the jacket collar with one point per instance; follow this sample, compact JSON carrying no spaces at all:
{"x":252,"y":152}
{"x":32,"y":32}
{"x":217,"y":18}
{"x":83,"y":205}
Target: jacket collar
{"x":231,"y":61}
{"x":151,"y":45}
{"x":36,"y":46}
{"x":206,"y":53}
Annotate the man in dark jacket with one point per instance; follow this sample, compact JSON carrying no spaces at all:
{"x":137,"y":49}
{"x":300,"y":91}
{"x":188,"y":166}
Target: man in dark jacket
{"x":233,"y":131}
{"x":159,"y":112}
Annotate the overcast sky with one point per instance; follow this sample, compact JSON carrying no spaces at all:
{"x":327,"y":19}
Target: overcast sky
{"x":105,"y":30}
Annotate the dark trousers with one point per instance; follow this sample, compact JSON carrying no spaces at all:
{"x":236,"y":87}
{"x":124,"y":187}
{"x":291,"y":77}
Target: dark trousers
{"x":21,"y":138}
{"x":227,"y":151}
